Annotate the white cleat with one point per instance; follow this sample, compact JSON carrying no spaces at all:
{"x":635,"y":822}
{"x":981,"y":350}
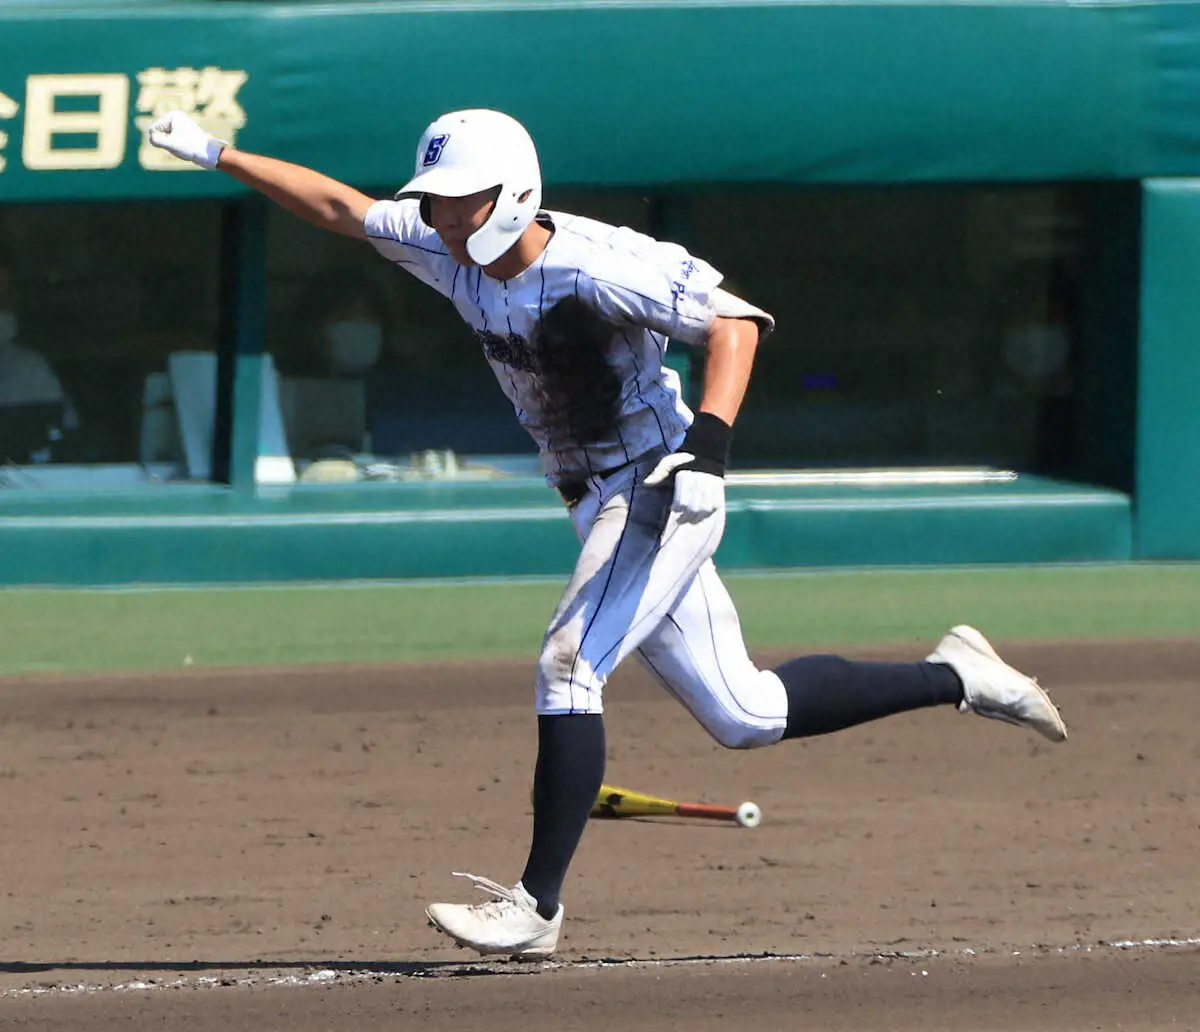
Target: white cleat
{"x":993,"y":689}
{"x":508,"y":925}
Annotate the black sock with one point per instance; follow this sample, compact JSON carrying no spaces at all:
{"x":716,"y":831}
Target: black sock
{"x":566,"y":781}
{"x":828,"y":693}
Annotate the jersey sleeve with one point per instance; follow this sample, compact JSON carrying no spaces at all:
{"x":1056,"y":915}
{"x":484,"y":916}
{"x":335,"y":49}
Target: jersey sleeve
{"x":395,"y":229}
{"x":733,"y":307}
{"x":662,"y":287}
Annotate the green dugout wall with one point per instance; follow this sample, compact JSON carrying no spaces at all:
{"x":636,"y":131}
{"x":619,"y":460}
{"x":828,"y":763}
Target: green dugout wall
{"x":667,"y":95}
{"x":1168,"y":433}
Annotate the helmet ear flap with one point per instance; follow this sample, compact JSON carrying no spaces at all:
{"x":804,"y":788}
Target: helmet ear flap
{"x":465,"y":152}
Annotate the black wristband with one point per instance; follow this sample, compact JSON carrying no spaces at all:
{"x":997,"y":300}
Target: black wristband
{"x":708,"y":438}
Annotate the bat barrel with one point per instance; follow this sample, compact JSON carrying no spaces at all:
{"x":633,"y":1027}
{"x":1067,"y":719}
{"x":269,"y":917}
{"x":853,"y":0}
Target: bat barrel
{"x":706,"y":812}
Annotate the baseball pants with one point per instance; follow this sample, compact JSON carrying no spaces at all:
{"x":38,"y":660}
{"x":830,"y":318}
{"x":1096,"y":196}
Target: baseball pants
{"x":645,"y":583}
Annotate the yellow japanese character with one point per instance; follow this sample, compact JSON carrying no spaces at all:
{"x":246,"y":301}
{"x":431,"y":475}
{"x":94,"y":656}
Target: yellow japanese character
{"x":209,"y":95}
{"x":8,"y":109}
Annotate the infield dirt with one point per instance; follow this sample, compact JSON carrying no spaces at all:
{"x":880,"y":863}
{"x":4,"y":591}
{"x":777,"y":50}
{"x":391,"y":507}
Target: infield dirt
{"x":254,"y":849}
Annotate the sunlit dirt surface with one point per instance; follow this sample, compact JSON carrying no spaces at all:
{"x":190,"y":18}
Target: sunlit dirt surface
{"x":254,"y":850}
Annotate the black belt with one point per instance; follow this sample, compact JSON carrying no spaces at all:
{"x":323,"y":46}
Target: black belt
{"x":573,"y":490}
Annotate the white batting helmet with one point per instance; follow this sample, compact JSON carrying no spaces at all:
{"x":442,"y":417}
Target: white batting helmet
{"x":464,"y":152}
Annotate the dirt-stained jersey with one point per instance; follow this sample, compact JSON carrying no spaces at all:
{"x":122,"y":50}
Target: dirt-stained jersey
{"x":577,"y":339}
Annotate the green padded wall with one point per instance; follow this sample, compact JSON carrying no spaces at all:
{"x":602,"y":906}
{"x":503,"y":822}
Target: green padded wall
{"x":618,"y":93}
{"x":1167,"y":498}
{"x":499,"y":529}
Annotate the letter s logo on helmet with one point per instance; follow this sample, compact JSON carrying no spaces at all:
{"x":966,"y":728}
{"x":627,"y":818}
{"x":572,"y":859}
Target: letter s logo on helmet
{"x":434,"y":150}
{"x":490,"y":149}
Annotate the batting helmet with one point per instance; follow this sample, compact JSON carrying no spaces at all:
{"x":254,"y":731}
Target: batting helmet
{"x":464,"y":152}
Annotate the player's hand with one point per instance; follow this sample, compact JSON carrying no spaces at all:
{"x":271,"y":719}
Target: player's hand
{"x":180,"y":135}
{"x":698,"y":469}
{"x":697,"y":495}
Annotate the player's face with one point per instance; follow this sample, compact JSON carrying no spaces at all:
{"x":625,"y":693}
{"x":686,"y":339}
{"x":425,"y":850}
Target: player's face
{"x":456,"y":218}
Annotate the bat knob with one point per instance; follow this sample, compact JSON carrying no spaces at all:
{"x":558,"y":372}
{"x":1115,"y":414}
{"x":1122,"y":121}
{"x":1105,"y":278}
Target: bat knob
{"x":749,"y":815}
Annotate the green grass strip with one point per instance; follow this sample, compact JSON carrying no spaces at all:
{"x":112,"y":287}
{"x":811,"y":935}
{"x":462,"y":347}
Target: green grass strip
{"x":73,"y":630}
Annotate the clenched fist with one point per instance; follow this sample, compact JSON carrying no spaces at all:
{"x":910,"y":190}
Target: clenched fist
{"x":181,"y":136}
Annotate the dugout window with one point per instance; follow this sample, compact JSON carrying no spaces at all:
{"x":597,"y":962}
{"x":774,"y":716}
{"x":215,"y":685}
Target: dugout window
{"x":94,"y":301}
{"x":990,"y":325}
{"x":986,"y":325}
{"x":949,"y":325}
{"x":936,"y":326}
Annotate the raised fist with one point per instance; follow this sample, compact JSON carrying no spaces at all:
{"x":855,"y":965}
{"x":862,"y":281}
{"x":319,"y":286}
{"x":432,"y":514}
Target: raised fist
{"x":181,"y":136}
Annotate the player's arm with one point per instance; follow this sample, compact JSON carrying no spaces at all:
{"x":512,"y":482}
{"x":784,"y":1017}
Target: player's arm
{"x":309,"y":194}
{"x":731,"y":345}
{"x":698,"y":467}
{"x":676,"y":295}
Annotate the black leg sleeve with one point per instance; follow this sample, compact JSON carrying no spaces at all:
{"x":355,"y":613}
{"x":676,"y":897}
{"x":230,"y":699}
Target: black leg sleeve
{"x":828,"y":693}
{"x":566,"y":781}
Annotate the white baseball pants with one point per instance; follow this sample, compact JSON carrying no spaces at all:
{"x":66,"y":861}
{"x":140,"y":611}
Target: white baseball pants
{"x":645,"y":583}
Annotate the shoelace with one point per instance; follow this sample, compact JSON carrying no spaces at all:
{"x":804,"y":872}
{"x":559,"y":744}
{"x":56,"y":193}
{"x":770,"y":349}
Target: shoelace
{"x":493,"y":908}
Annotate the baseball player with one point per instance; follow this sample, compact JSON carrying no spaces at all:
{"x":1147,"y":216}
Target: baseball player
{"x":574,"y":317}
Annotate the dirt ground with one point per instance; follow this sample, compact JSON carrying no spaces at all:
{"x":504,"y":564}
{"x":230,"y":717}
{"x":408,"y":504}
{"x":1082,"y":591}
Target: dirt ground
{"x":254,"y":849}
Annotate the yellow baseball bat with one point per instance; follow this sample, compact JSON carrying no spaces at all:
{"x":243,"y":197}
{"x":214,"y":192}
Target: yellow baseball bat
{"x":613,"y":803}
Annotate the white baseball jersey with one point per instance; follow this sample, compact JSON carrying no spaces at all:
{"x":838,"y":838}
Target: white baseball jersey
{"x":646,"y":290}
{"x":644,"y":583}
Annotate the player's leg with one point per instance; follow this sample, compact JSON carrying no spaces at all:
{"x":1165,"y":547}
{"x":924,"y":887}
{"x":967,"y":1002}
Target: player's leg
{"x":634,"y":561}
{"x":699,"y":655}
{"x":828,"y":693}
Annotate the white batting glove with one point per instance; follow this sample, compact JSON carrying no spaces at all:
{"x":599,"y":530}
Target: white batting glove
{"x":181,"y":136}
{"x":698,"y":469}
{"x":697,"y":495}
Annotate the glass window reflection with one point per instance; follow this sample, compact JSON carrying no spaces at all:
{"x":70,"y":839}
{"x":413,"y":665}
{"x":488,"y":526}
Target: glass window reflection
{"x":94,"y":299}
{"x":916,"y":326}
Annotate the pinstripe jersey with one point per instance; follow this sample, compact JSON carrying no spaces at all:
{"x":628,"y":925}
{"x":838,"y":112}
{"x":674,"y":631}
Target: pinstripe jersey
{"x":645,"y":291}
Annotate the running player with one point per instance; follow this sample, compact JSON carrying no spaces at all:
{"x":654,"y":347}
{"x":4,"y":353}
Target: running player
{"x":574,"y":317}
